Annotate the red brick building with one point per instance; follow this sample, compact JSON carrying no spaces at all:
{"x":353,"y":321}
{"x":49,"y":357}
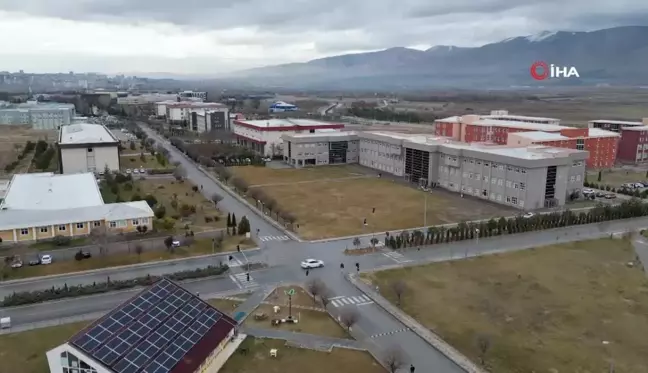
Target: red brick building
{"x":633,"y":146}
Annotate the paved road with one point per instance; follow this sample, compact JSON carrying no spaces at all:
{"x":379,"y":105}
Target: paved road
{"x":283,"y":256}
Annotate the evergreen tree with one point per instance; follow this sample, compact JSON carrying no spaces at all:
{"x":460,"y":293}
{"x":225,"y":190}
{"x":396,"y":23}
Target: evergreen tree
{"x":233,"y":220}
{"x":229,"y":220}
{"x":599,"y":176}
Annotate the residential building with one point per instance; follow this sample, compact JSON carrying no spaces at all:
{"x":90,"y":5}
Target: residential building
{"x":42,"y":206}
{"x":633,"y":146}
{"x":87,"y":147}
{"x":524,"y":177}
{"x":212,"y":119}
{"x":615,"y":125}
{"x":180,"y":112}
{"x":40,"y":116}
{"x":265,"y":136}
{"x":320,"y":148}
{"x":163,"y":329}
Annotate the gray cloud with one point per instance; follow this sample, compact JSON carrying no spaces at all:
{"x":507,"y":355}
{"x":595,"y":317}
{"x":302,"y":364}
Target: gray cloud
{"x":341,"y":25}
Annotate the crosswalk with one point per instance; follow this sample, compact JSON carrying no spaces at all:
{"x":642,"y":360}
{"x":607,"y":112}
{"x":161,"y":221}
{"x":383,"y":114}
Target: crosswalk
{"x":240,"y":279}
{"x":359,"y":300}
{"x":235,"y":262}
{"x":397,"y":257}
{"x":274,"y":238}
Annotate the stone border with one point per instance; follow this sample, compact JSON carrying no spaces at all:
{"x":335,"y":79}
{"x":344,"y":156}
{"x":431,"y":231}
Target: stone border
{"x":426,"y":334}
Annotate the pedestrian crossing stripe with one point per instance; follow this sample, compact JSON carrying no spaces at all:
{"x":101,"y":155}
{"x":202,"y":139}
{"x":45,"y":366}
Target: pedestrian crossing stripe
{"x":274,"y":238}
{"x":397,"y":257}
{"x":390,"y":333}
{"x":358,"y":300}
{"x":235,"y":262}
{"x":242,"y":281}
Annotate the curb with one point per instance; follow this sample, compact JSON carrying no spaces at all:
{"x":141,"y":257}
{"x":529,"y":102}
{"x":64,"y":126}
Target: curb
{"x":427,"y":335}
{"x":124,"y":267}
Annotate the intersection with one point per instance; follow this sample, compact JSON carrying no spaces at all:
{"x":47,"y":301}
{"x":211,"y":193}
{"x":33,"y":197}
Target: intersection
{"x":283,"y":253}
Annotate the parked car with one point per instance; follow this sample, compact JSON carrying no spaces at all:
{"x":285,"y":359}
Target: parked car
{"x":128,"y":171}
{"x":638,"y":185}
{"x":610,"y":196}
{"x":175,"y":243}
{"x":141,"y":170}
{"x":587,"y":191}
{"x":46,"y":259}
{"x":136,"y":171}
{"x":528,"y":215}
{"x":600,"y":194}
{"x":312,"y":263}
{"x":34,"y":262}
{"x":80,"y":255}
{"x":17,"y":263}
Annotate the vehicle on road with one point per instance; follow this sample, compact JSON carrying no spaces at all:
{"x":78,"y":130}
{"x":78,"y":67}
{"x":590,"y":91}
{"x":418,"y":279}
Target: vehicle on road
{"x":136,"y":171}
{"x":312,"y":263}
{"x":34,"y":262}
{"x":528,"y":215}
{"x":600,"y":194}
{"x":128,"y":171}
{"x":80,"y":255}
{"x":610,"y":196}
{"x":175,"y":243}
{"x":16,"y":262}
{"x":46,"y":259}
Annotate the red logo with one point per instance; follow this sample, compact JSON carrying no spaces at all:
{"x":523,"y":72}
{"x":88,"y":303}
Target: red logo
{"x":539,"y":70}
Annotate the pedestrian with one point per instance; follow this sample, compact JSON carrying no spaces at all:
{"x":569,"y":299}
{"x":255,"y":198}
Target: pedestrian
{"x":230,"y":258}
{"x":341,"y":265}
{"x":357,"y":266}
{"x":412,"y":369}
{"x":200,"y":186}
{"x":238,"y":248}
{"x":306,"y":272}
{"x":247,"y":276}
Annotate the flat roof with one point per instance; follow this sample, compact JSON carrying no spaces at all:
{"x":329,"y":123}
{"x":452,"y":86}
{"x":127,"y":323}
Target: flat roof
{"x":49,"y":191}
{"x":541,"y":136}
{"x":643,"y":127}
{"x":331,"y":133}
{"x":85,"y":133}
{"x":520,"y":117}
{"x":280,"y":123}
{"x":620,"y":122}
{"x":597,"y":132}
{"x":192,"y":104}
{"x":488,"y":121}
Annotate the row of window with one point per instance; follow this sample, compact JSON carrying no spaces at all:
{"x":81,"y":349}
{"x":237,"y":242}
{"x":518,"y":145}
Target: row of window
{"x":483,"y":193}
{"x":494,"y":180}
{"x":382,"y":167}
{"x":112,"y":224}
{"x":573,"y":179}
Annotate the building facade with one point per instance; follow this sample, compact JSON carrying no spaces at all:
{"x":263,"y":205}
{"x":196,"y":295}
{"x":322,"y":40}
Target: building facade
{"x":301,"y":150}
{"x":87,"y":148}
{"x":213,"y":119}
{"x":40,"y":116}
{"x":633,"y":146}
{"x":615,"y":125}
{"x":179,"y":113}
{"x":265,"y":136}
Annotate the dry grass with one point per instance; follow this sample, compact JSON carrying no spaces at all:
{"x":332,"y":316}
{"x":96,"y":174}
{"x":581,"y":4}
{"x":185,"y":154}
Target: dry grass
{"x":301,"y":297}
{"x":337,"y":208}
{"x":544,"y":310}
{"x":310,"y":321}
{"x":224,"y":305}
{"x":265,"y":175}
{"x":12,"y":142}
{"x":25,"y":352}
{"x":135,"y":161}
{"x":200,"y":247}
{"x":615,"y":178}
{"x":297,"y":360}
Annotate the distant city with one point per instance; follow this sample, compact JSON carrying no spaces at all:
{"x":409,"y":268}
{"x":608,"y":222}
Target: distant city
{"x":22,"y":81}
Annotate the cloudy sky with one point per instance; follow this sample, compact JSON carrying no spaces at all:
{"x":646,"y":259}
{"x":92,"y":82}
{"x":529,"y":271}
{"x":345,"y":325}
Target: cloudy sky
{"x":216,"y":36}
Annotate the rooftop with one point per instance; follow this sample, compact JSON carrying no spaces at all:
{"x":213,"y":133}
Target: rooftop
{"x":165,"y":328}
{"x":324,"y":132}
{"x":520,"y":118}
{"x":85,"y":133}
{"x":620,"y":122}
{"x":282,"y":123}
{"x":597,"y":132}
{"x":541,"y":136}
{"x":488,"y":121}
{"x":49,"y":191}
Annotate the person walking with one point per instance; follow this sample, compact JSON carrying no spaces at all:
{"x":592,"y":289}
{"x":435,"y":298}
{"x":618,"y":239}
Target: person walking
{"x":306,"y":272}
{"x":412,"y":369}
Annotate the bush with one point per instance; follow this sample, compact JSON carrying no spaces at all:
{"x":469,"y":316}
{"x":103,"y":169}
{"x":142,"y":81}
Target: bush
{"x":62,"y":240}
{"x":151,"y":200}
{"x":54,"y":293}
{"x":160,"y":171}
{"x":160,"y":212}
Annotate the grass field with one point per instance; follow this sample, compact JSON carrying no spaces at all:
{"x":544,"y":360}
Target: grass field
{"x":12,"y":142}
{"x":297,"y":360}
{"x":200,"y":247}
{"x":25,"y":352}
{"x":265,"y":175}
{"x":337,"y":208}
{"x":615,"y":178}
{"x":224,"y":305}
{"x":135,"y":161}
{"x":543,"y":310}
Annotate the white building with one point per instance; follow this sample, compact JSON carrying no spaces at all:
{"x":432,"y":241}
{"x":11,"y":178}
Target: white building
{"x":206,"y":120}
{"x":265,"y":136}
{"x":180,"y":112}
{"x":191,"y":94}
{"x":87,"y":148}
{"x":40,"y":116}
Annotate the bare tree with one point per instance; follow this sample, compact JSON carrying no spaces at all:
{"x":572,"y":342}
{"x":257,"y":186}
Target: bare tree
{"x":315,"y":287}
{"x":356,"y":242}
{"x":394,"y":359}
{"x":349,"y":316}
{"x":99,"y":237}
{"x":325,"y":297}
{"x":139,"y":249}
{"x":484,"y":344}
{"x":400,"y":288}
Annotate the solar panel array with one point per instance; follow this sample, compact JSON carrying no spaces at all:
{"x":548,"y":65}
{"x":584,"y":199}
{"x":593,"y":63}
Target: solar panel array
{"x":151,"y":333}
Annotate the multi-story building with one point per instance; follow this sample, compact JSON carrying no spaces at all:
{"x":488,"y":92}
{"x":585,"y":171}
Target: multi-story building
{"x":321,"y":148}
{"x":87,"y":148}
{"x":518,"y":130}
{"x":214,"y":119}
{"x":41,"y":116}
{"x":615,"y":125}
{"x":191,"y":94}
{"x":42,"y":206}
{"x":265,"y":136}
{"x":633,"y":147}
{"x":179,"y":113}
{"x":527,"y":177}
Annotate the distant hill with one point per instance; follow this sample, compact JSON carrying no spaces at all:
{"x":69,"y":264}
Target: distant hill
{"x":615,"y":56}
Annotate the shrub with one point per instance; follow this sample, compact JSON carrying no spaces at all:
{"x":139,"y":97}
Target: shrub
{"x":208,"y":219}
{"x":62,"y":240}
{"x":160,"y":171}
{"x":175,"y":217}
{"x":160,"y":212}
{"x":151,"y":200}
{"x":194,"y":188}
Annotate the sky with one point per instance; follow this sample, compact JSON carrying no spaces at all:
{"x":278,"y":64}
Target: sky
{"x":210,"y":37}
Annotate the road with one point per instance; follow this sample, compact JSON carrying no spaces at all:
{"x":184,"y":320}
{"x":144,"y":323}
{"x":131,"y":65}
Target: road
{"x":283,"y":257}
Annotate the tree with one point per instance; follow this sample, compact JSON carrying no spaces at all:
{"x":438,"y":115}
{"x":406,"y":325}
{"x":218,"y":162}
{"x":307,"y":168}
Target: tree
{"x":180,"y":173}
{"x":315,"y":287}
{"x":599,"y":176}
{"x":216,"y":198}
{"x":151,"y":200}
{"x":99,"y":237}
{"x":168,"y":242}
{"x":233,"y":220}
{"x":243,"y":226}
{"x":349,"y":316}
{"x":160,"y":212}
{"x":356,"y":242}
{"x":229,"y":220}
{"x":394,"y":359}
{"x":483,"y":344}
{"x":139,"y":249}
{"x":325,"y":296}
{"x":374,"y":241}
{"x":399,"y":287}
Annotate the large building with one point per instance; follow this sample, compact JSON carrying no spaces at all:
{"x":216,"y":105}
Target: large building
{"x":497,"y":128}
{"x":528,"y":177}
{"x":87,"y":148}
{"x":179,"y":113}
{"x":265,"y":136}
{"x":207,"y":120}
{"x":615,"y":125}
{"x":633,"y":147}
{"x":191,"y":94}
{"x":163,"y":329}
{"x":42,"y":206}
{"x":40,"y":116}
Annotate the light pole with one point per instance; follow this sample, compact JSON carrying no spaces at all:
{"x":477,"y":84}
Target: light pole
{"x":425,"y":210}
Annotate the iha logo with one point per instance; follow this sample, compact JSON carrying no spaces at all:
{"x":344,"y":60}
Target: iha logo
{"x":540,"y":70}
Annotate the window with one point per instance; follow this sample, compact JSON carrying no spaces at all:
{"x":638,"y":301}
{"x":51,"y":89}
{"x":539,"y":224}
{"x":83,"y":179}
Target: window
{"x":135,"y":222}
{"x":508,"y":199}
{"x":493,"y":181}
{"x":89,"y":150}
{"x":521,"y":203}
{"x":79,"y":225}
{"x":44,"y":229}
{"x":62,"y":228}
{"x":96,"y":224}
{"x":515,"y":185}
{"x":24,"y":231}
{"x":500,"y":182}
{"x":508,"y":183}
{"x":122,"y":223}
{"x":486,"y":178}
{"x":499,"y":197}
{"x":578,"y":177}
{"x":514,"y":200}
{"x":113,"y":224}
{"x":523,"y":171}
{"x":522,"y":186}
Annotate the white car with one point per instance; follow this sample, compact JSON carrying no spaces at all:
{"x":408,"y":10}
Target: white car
{"x":128,"y":171}
{"x":46,"y":259}
{"x":175,"y":243}
{"x":312,"y":263}
{"x":587,"y":191}
{"x":528,"y":215}
{"x":136,"y":171}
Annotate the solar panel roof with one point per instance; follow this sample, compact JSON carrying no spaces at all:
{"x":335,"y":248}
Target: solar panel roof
{"x":153,"y":331}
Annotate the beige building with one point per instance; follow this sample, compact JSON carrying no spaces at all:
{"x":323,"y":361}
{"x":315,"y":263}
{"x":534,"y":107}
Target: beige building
{"x":45,"y":205}
{"x":87,"y":147}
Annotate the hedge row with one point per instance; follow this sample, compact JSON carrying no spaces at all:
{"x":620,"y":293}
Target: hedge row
{"x":160,"y":171}
{"x":39,"y":296}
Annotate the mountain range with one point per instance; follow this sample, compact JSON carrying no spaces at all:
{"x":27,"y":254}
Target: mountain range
{"x":614,"y":56}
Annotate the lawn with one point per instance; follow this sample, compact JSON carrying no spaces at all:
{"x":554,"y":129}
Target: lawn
{"x":545,"y":310}
{"x":338,"y":208}
{"x":200,"y":247}
{"x":297,"y":360}
{"x":301,"y":297}
{"x":224,"y":305}
{"x":25,"y":352}
{"x":617,"y":177}
{"x":137,"y":161}
{"x":265,"y":175}
{"x":173,"y":195}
